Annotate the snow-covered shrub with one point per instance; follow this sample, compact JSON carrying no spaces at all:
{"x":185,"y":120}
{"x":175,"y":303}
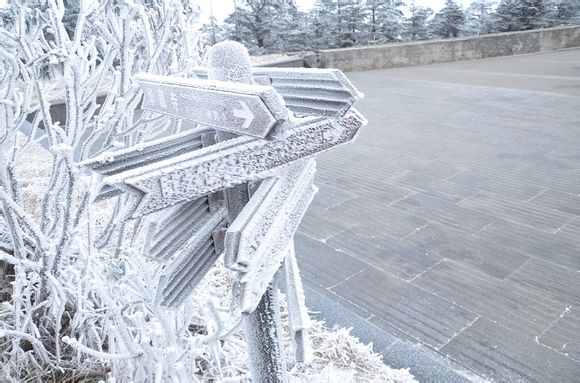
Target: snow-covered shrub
{"x":75,"y":289}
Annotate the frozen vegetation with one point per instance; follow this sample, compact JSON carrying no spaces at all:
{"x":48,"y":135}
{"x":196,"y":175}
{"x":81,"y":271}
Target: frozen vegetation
{"x":278,"y":26}
{"x":77,"y":291}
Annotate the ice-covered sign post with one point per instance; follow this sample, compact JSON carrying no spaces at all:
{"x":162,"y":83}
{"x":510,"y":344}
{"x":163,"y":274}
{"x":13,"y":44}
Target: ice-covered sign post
{"x":261,"y":156}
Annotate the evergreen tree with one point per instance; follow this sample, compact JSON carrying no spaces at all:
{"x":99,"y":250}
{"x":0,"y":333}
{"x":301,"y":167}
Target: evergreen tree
{"x":71,"y":14}
{"x":384,"y":21}
{"x":535,"y":14}
{"x":293,"y":35}
{"x":519,"y":15}
{"x":373,"y":10}
{"x":448,"y":21}
{"x":352,"y":22}
{"x":338,"y":23}
{"x":416,"y":25}
{"x":564,"y":13}
{"x":505,"y":17}
{"x":214,"y":32}
{"x":261,"y":24}
{"x":322,"y":26}
{"x":478,"y":17}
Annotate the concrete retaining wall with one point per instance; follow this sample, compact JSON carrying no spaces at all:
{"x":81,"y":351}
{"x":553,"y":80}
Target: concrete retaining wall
{"x":292,"y":62}
{"x":300,"y":60}
{"x":439,"y":51}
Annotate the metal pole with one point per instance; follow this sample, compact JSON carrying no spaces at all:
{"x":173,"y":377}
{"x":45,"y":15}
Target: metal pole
{"x":230,"y":61}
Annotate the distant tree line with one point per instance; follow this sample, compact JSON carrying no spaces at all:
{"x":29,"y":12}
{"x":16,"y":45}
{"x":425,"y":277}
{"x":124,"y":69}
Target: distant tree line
{"x":268,"y":26}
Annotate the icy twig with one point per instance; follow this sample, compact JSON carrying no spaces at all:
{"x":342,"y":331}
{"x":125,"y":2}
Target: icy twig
{"x":98,"y":354}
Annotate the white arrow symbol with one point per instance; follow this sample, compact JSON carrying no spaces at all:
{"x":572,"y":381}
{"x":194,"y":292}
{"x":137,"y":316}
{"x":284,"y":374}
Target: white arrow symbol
{"x":244,"y":113}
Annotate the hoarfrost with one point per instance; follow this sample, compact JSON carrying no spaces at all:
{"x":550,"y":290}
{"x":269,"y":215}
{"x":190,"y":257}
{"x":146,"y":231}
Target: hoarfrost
{"x":229,"y":61}
{"x":231,"y":163}
{"x":264,"y":240}
{"x":78,"y":295}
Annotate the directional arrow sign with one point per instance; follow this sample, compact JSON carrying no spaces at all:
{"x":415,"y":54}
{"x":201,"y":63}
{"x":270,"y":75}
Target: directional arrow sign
{"x":192,"y":175}
{"x":120,"y":161}
{"x":307,"y":91}
{"x":175,"y":228}
{"x":297,"y":311}
{"x":246,"y":109}
{"x":182,"y":275}
{"x":257,"y":241}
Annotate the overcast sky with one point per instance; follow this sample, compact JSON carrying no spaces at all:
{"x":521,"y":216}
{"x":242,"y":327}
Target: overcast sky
{"x":222,"y":8}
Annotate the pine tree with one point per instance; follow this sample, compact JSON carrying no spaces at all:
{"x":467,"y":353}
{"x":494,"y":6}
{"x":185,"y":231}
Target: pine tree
{"x":293,"y":35}
{"x":535,"y":14}
{"x":518,"y":15}
{"x":505,"y":16}
{"x":352,"y":22}
{"x":322,"y":26}
{"x":384,"y":21}
{"x":416,"y":25}
{"x":213,"y":32}
{"x":261,"y":24}
{"x":448,"y":21}
{"x":564,"y":13}
{"x":373,"y":10}
{"x":478,"y":19}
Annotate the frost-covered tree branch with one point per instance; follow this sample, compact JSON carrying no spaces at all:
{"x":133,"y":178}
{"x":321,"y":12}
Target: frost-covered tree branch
{"x":67,"y":93}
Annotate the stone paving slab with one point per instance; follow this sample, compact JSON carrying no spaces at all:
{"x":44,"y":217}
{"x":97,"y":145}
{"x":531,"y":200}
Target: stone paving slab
{"x":528,"y":241}
{"x":405,"y":308}
{"x":524,"y":213}
{"x":453,"y":222}
{"x":524,"y":310}
{"x":564,"y":202}
{"x":394,"y":222}
{"x":564,"y":334}
{"x":447,"y":213}
{"x":435,"y":186}
{"x":323,"y":264}
{"x":503,"y":356}
{"x":486,"y":256}
{"x":399,"y":258}
{"x":560,"y":283}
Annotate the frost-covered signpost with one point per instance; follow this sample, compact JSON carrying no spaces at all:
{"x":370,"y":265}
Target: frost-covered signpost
{"x":262,"y":159}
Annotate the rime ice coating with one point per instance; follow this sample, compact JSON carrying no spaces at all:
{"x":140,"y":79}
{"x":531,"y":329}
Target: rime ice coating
{"x":192,"y":175}
{"x":257,"y":246}
{"x":307,"y":91}
{"x":192,"y":262}
{"x":229,"y":61}
{"x":300,"y":322}
{"x":246,"y":109}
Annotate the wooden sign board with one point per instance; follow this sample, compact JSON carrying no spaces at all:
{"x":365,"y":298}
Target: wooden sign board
{"x":192,"y":175}
{"x":307,"y":91}
{"x":182,"y":275}
{"x":257,"y":242}
{"x":175,"y":228}
{"x":122,"y":160}
{"x":245,"y":109}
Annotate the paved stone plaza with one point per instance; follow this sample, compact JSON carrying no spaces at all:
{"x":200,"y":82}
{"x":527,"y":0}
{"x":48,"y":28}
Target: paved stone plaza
{"x":453,"y":223}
